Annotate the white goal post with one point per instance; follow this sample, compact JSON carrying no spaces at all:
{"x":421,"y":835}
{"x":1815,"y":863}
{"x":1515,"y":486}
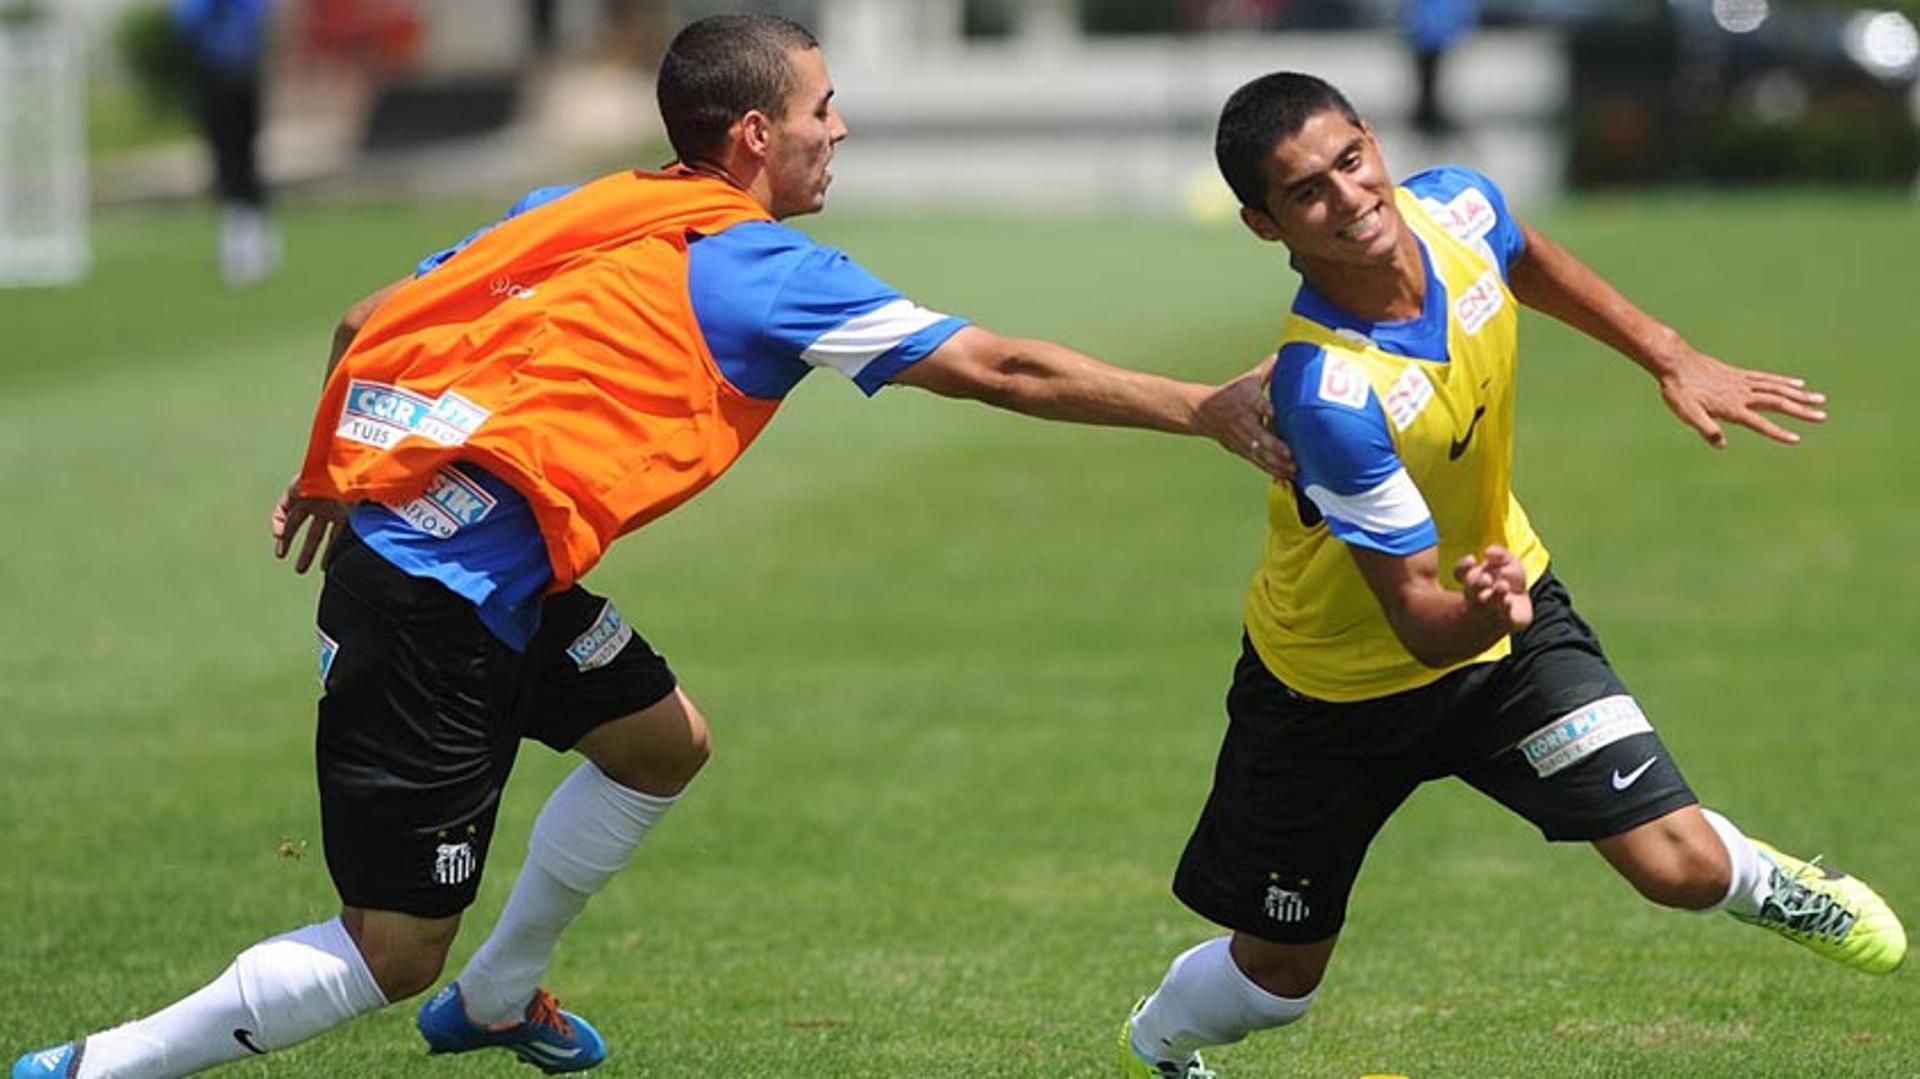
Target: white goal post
{"x":43,"y":162}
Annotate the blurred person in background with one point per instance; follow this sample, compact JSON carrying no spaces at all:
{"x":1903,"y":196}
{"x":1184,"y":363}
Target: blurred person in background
{"x":228,"y":41}
{"x":1432,"y":29}
{"x":487,"y":428}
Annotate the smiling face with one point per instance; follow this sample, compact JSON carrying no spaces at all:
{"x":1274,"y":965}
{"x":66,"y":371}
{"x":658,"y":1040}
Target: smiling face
{"x":1329,"y":197}
{"x":800,"y":142}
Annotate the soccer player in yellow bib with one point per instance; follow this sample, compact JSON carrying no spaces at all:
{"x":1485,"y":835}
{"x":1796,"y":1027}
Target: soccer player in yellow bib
{"x":1365,"y":673}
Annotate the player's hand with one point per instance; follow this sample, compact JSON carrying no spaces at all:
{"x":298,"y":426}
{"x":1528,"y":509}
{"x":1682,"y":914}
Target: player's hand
{"x":1705,"y":392}
{"x":323,"y":518}
{"x":1238,"y":415}
{"x":1496,"y":586}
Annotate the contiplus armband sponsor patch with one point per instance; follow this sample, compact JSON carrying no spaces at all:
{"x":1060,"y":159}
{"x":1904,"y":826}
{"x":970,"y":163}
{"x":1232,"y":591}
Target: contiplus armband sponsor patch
{"x":1343,"y":383}
{"x":602,"y":641}
{"x":329,"y":648}
{"x":1408,"y":395}
{"x":380,"y":415}
{"x":451,"y":502}
{"x":1578,"y":734}
{"x":1479,"y":303}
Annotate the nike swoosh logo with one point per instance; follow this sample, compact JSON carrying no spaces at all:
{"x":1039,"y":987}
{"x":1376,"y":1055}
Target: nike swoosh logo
{"x":1622,"y":782}
{"x":1459,"y":445}
{"x":245,"y":1038}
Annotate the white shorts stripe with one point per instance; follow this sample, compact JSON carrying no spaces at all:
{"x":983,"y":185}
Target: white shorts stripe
{"x":1394,"y":505}
{"x":858,"y":341}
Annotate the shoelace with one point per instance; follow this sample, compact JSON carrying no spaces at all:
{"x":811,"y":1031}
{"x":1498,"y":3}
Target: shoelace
{"x":545,"y":1012}
{"x":1796,"y":902}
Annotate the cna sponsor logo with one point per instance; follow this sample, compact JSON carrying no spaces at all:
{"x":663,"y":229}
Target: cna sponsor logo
{"x":1409,"y":394}
{"x":602,"y":641}
{"x":380,"y":415}
{"x":1342,"y":383}
{"x":1479,"y":303}
{"x":1578,"y":734}
{"x":451,"y":502}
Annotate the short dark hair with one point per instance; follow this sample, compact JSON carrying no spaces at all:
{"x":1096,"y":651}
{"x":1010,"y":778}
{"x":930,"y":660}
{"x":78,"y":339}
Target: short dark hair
{"x":720,"y":68}
{"x":1255,"y":120}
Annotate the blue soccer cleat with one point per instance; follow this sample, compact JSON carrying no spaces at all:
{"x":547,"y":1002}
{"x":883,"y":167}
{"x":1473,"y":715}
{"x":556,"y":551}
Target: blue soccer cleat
{"x":548,"y":1038}
{"x":59,"y":1062}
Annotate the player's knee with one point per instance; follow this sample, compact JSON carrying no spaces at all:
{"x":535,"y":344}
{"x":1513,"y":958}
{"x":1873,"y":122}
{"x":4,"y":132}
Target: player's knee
{"x":1293,"y":973}
{"x":657,"y":752}
{"x":404,"y":954}
{"x":402,"y":973}
{"x":1688,"y":876}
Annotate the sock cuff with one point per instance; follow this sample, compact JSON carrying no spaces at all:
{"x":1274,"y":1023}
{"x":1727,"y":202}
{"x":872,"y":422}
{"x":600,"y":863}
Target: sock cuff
{"x":1740,"y":852}
{"x":354,"y":979}
{"x":638,"y":805}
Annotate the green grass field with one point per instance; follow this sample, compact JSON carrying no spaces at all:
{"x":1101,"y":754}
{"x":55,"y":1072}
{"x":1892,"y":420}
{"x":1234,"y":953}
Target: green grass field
{"x":965,"y":670}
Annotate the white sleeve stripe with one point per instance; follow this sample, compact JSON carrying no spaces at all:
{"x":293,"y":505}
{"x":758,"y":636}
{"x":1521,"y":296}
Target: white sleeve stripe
{"x":1390,"y":507}
{"x":854,"y":343}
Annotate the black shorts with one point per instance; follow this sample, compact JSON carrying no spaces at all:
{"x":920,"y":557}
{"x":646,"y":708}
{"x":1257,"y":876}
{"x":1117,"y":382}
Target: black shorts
{"x":1302,"y":785}
{"x":423,"y":712}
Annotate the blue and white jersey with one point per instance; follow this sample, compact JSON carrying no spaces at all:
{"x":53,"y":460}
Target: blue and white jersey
{"x":771,"y":304}
{"x":1338,"y":426}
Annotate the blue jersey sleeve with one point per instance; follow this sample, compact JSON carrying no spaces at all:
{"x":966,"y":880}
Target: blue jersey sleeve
{"x":1348,"y":468}
{"x":1473,"y":208}
{"x":773,"y":304}
{"x":539,"y":196}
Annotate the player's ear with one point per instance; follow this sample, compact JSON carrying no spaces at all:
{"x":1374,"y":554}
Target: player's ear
{"x":754,"y":132}
{"x":1261,"y":224}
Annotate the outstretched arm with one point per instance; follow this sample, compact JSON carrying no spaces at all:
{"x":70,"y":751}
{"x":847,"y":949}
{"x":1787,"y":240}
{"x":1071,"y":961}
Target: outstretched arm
{"x":322,"y":517}
{"x":1439,"y":627}
{"x":1700,"y":389}
{"x":1040,"y":378}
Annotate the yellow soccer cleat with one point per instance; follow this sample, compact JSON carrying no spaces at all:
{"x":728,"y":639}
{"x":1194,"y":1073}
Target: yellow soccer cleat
{"x":1833,"y":914}
{"x":1135,"y":1066}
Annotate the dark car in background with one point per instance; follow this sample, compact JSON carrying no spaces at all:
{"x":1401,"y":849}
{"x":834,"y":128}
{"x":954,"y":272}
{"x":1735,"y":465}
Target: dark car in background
{"x":1733,"y":90}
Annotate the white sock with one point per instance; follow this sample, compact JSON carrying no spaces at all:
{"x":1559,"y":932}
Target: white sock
{"x":586,"y":832}
{"x":277,"y":993}
{"x":1751,"y":883}
{"x":1205,"y":1000}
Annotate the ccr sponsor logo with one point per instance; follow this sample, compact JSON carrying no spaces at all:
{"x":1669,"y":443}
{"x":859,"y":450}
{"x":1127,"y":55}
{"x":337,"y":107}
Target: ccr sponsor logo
{"x":1578,"y":734}
{"x":380,"y":415}
{"x":602,"y":641}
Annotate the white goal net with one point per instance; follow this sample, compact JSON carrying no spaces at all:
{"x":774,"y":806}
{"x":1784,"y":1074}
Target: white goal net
{"x":43,"y":165}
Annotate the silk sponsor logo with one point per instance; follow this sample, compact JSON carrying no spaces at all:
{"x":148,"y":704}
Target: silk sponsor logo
{"x":452,"y":502}
{"x":1469,"y":215}
{"x":1409,"y":394}
{"x":1342,"y":383}
{"x":1479,"y":303}
{"x":380,"y":415}
{"x":1578,"y":734}
{"x":602,"y":641}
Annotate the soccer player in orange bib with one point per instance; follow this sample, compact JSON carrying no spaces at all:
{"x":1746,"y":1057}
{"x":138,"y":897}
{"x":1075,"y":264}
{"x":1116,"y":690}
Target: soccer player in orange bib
{"x":553,"y":382}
